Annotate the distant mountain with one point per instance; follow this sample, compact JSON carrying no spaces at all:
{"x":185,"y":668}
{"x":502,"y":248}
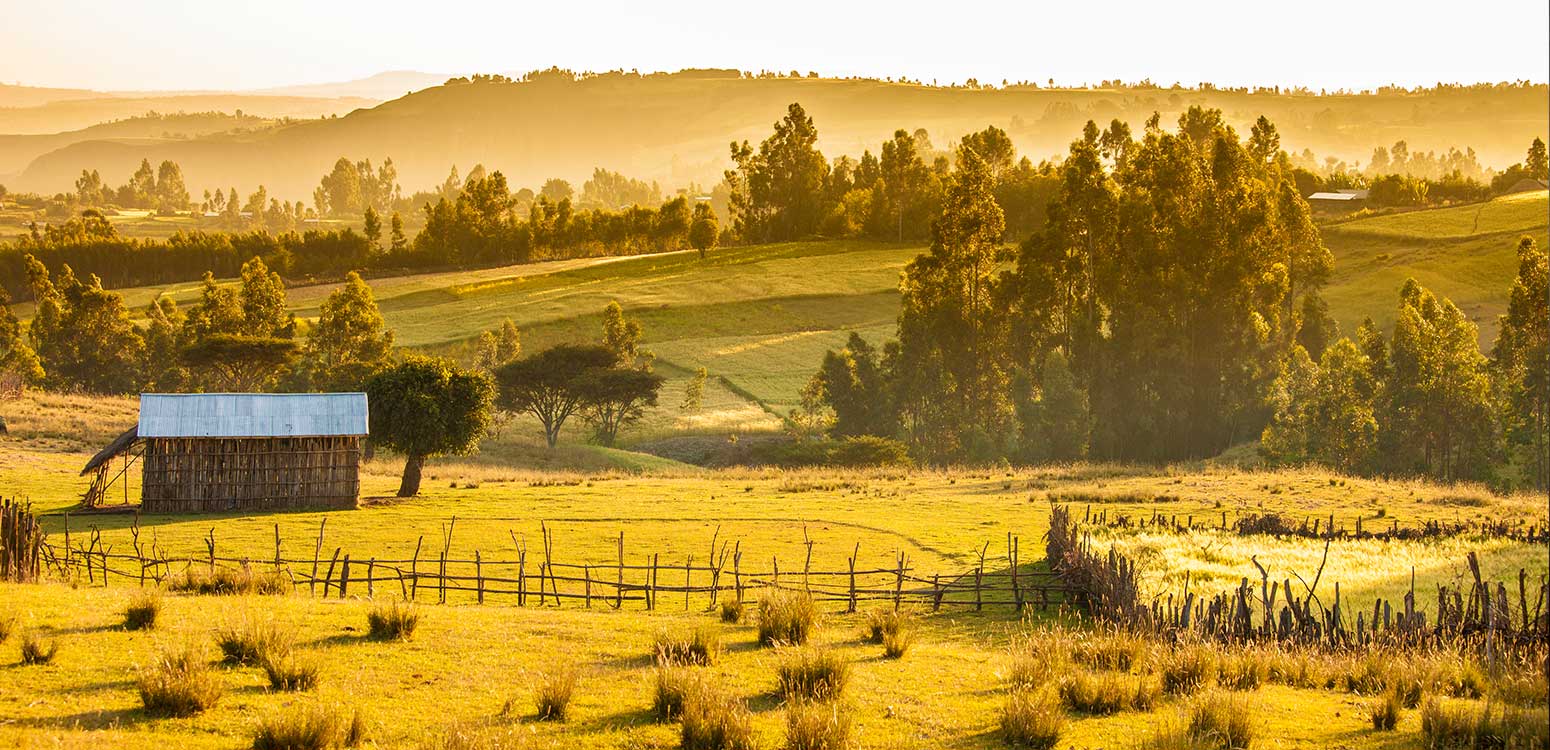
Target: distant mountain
{"x":675,"y":127}
{"x":72,"y":112}
{"x":17,"y":151}
{"x":382,"y":86}
{"x":33,"y":96}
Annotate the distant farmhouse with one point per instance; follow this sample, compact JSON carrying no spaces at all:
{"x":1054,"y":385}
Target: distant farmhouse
{"x":1528,"y":184}
{"x":1339,"y":200}
{"x":212,"y":452}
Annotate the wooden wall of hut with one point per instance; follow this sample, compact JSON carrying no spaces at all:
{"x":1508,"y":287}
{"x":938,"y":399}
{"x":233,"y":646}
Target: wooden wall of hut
{"x":200,"y":475}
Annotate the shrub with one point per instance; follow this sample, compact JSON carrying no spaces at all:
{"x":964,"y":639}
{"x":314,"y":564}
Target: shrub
{"x":1221,"y":721}
{"x":179,"y":683}
{"x":1384,"y":711}
{"x":715,"y":720}
{"x":881,"y":621}
{"x":1447,"y":725}
{"x":1295,"y":669}
{"x":894,"y":629}
{"x":898,"y":643}
{"x":553,"y":691}
{"x":290,"y":673}
{"x":674,"y":684}
{"x":254,"y":641}
{"x":142,"y":610}
{"x":312,"y":728}
{"x":1369,"y":675}
{"x":731,"y":611}
{"x":1107,"y":693}
{"x":1032,"y":719}
{"x":699,"y":649}
{"x":786,"y":617}
{"x":394,"y":621}
{"x":1531,"y":689}
{"x":1188,"y":670}
{"x":809,"y":673}
{"x":34,"y":651}
{"x":817,"y":726}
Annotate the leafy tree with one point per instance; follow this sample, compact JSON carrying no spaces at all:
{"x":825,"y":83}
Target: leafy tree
{"x":553,"y":384}
{"x":994,"y":146}
{"x":615,"y":398}
{"x":1316,"y":328}
{"x":398,"y":241}
{"x":1536,"y":164}
{"x":373,"y":228}
{"x":1324,"y":412}
{"x":426,"y":407}
{"x":1521,"y":361}
{"x":349,"y":342}
{"x":557,"y":190}
{"x":622,"y":337}
{"x":1053,"y":426}
{"x":904,"y":197}
{"x":163,"y":368}
{"x":498,"y":347}
{"x":240,"y":363}
{"x":777,"y":192}
{"x":16,"y":355}
{"x":171,"y":193}
{"x":262,"y":297}
{"x":851,"y":384}
{"x":82,"y":333}
{"x":694,"y":391}
{"x":703,"y":231}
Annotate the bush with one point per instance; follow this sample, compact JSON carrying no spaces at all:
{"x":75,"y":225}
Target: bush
{"x":1221,"y":721}
{"x":699,"y":649}
{"x":142,"y":610}
{"x":1384,"y":711}
{"x":1107,"y":693}
{"x":34,"y":651}
{"x":731,"y":611}
{"x":179,"y":683}
{"x":394,"y":621}
{"x":254,"y":641}
{"x":715,"y":720}
{"x":553,"y":691}
{"x":809,"y":673}
{"x":898,"y":643}
{"x":291,"y":673}
{"x":817,"y":726}
{"x":1188,"y":670}
{"x":1448,"y":725}
{"x":674,"y":684}
{"x":1032,"y":719}
{"x":786,"y":618}
{"x":312,"y":728}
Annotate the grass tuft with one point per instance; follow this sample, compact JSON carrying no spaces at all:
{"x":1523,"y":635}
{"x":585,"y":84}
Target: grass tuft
{"x":1188,"y":670}
{"x":1454,"y":725}
{"x":894,"y":629}
{"x":291,"y":673}
{"x":7,"y":625}
{"x":817,"y":726}
{"x":553,"y":690}
{"x":179,"y":682}
{"x":714,"y":719}
{"x":1219,"y":720}
{"x":786,"y":618}
{"x":230,"y":581}
{"x":807,"y":673}
{"x":394,"y":621}
{"x":35,"y":651}
{"x":143,"y":610}
{"x":1384,"y":711}
{"x":1108,"y":692}
{"x":311,"y":728}
{"x":731,"y":611}
{"x":253,"y":641}
{"x":674,"y":685}
{"x":698,"y":649}
{"x":1032,"y":719}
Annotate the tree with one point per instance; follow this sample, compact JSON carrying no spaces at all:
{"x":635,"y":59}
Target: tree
{"x":82,"y":333}
{"x":262,"y":297}
{"x":16,"y":355}
{"x":694,"y":391}
{"x":426,"y":407}
{"x":850,"y":383}
{"x":777,"y":192}
{"x":1316,"y":328}
{"x":349,"y":342}
{"x":373,"y":228}
{"x":171,"y":193}
{"x":622,"y":337}
{"x":553,"y":384}
{"x":1324,"y":412}
{"x":1536,"y":164}
{"x":500,"y":346}
{"x":615,"y":398}
{"x":399,"y":242}
{"x":557,"y":190}
{"x":1055,"y":425}
{"x":703,"y":231}
{"x":240,"y":363}
{"x":162,"y":369}
{"x":1521,"y":362}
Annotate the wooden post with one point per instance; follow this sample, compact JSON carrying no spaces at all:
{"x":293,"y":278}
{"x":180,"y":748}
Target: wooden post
{"x":586,"y":571}
{"x":277,"y":548}
{"x":851,"y":607}
{"x":344,"y":576}
{"x":312,"y":585}
{"x":414,"y":569}
{"x":936,"y":592}
{"x":651,"y":584}
{"x":688,"y":562}
{"x":1017,"y":591}
{"x":330,"y":577}
{"x":737,"y":572}
{"x":619,"y":586}
{"x":371,"y":578}
{"x":898,"y":585}
{"x":479,"y":575}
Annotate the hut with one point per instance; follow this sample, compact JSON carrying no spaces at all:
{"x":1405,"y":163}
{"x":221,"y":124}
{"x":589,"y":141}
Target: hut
{"x":210,"y":452}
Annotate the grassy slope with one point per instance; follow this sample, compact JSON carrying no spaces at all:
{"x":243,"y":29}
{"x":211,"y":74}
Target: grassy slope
{"x":1464,"y":253}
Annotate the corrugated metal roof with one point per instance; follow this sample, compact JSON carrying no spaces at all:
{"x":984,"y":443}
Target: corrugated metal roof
{"x":1335,"y":197}
{"x":252,"y":414}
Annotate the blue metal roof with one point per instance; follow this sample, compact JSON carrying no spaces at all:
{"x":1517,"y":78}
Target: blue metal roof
{"x":252,"y":414}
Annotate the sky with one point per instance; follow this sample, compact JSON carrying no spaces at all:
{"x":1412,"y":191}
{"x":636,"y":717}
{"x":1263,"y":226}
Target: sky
{"x":232,"y":44}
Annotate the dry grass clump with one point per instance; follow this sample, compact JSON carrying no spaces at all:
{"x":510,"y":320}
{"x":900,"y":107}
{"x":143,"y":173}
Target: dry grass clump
{"x":1117,"y":651}
{"x":553,"y":690}
{"x":1527,"y":689}
{"x":786,"y":618}
{"x":1214,"y":721}
{"x":1037,"y":660}
{"x":290,"y":672}
{"x":714,"y":719}
{"x":1188,"y":670}
{"x":394,"y":621}
{"x":894,"y":629}
{"x":700,"y":648}
{"x":731,"y":611}
{"x":478,"y":736}
{"x":811,"y":673}
{"x":1384,"y":711}
{"x":1451,"y":725}
{"x":143,"y":610}
{"x":817,"y":726}
{"x":674,"y":685}
{"x":253,"y":641}
{"x":1295,"y":668}
{"x":1242,"y":669}
{"x":1108,"y":692}
{"x":1032,"y":719}
{"x":311,"y":728}
{"x":179,"y":682}
{"x":7,"y":624}
{"x":243,"y":580}
{"x":36,"y":651}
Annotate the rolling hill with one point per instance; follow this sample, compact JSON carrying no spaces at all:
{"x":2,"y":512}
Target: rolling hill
{"x":674,"y":128}
{"x":17,"y":151}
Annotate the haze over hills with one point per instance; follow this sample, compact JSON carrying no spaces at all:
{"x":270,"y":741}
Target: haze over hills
{"x":674,"y":128}
{"x":17,"y":151}
{"x":75,"y":110}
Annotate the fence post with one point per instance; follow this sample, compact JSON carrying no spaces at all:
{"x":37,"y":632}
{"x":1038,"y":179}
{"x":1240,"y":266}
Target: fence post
{"x":737,"y":569}
{"x":898,"y":585}
{"x":330,"y":577}
{"x":852,"y":606}
{"x":414,"y":570}
{"x":586,"y":571}
{"x":317,"y":551}
{"x":651,"y":585}
{"x":344,"y":577}
{"x":688,"y":562}
{"x":371,"y":578}
{"x":936,"y":592}
{"x":277,"y":548}
{"x":619,"y":588}
{"x":479,"y":575}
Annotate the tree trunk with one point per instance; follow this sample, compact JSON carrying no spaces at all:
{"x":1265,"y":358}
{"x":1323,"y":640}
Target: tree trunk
{"x":410,"y":486}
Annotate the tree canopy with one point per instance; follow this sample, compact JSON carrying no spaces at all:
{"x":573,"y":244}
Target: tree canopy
{"x":426,"y":407}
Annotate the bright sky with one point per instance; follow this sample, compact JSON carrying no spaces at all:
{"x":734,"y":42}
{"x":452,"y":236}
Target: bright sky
{"x":236,"y":44}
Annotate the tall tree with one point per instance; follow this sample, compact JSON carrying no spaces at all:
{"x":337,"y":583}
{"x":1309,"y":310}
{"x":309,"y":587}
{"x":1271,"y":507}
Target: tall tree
{"x":622,"y":337}
{"x":16,"y":354}
{"x":427,"y":407}
{"x":1521,"y":362}
{"x":349,"y":342}
{"x":777,"y":192}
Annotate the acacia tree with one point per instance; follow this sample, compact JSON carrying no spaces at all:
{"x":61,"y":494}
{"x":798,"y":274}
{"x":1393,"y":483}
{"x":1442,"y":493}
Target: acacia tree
{"x":426,"y":407}
{"x":616,"y":397}
{"x":553,"y":384}
{"x":237,"y":363}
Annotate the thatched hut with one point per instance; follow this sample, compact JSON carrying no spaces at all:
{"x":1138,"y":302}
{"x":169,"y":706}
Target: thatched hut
{"x":206,"y":452}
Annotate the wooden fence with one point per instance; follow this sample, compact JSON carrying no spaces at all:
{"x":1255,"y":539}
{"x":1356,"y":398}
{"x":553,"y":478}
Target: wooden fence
{"x":21,"y":542}
{"x":536,"y":578}
{"x":1108,"y":584}
{"x":1280,"y":525}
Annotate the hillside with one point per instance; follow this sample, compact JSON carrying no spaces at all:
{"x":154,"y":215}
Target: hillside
{"x":1465,"y":253}
{"x":675,"y":128}
{"x":17,"y":151}
{"x":71,"y":113}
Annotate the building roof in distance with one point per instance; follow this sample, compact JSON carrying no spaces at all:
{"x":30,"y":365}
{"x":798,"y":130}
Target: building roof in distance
{"x":252,"y":414}
{"x":1336,"y":197}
